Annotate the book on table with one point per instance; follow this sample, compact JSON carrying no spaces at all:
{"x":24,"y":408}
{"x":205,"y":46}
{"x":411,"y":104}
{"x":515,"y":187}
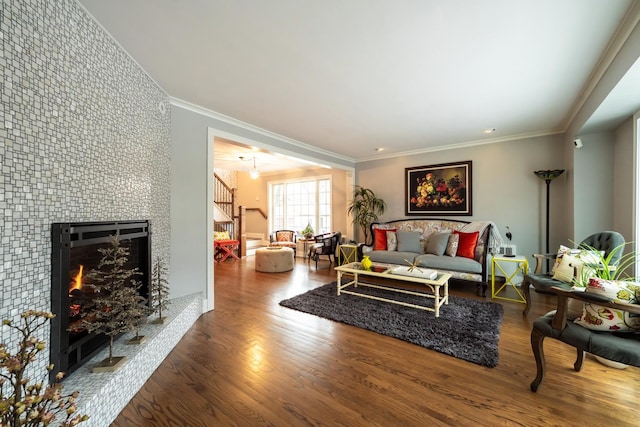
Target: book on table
{"x":424,"y":273}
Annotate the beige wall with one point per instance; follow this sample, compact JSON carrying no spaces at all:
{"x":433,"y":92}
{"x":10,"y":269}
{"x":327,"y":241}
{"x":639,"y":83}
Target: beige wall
{"x":254,"y":194}
{"x":504,"y":188}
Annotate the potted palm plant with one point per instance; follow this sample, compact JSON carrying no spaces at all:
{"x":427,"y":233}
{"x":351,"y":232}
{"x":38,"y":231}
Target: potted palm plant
{"x":365,"y":208}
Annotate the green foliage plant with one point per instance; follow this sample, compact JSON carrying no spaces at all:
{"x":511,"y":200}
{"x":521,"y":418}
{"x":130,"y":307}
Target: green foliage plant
{"x":23,"y":403}
{"x":596,"y":264}
{"x":307,"y":232}
{"x":365,"y":208}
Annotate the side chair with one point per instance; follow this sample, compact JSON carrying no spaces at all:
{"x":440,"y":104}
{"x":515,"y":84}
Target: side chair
{"x":284,"y":239}
{"x":326,"y":244}
{"x":623,"y":347}
{"x":605,"y":241}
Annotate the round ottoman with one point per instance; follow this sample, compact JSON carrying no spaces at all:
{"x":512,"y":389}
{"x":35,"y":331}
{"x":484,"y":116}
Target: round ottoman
{"x":274,"y":259}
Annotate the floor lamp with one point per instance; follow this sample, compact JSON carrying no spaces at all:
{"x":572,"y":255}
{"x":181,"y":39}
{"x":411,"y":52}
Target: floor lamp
{"x":548,"y":176}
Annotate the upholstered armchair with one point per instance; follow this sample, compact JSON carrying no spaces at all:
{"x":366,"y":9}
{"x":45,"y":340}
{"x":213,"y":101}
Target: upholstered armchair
{"x":621,"y":347}
{"x":542,"y":281}
{"x":325,"y":244}
{"x":284,"y":239}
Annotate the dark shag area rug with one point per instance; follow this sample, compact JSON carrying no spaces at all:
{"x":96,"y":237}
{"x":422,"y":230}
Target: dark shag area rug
{"x":468,"y":329}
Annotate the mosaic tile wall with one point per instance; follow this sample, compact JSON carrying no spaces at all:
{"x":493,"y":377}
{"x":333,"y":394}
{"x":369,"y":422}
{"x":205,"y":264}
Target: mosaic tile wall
{"x":84,"y":136}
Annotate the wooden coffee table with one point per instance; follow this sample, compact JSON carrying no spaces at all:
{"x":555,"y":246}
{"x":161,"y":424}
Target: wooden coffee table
{"x":384,"y":271}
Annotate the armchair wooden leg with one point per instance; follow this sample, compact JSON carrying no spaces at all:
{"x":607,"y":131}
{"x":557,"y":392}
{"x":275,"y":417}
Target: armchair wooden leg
{"x":538,"y":352}
{"x":527,"y":296}
{"x":579,"y":360}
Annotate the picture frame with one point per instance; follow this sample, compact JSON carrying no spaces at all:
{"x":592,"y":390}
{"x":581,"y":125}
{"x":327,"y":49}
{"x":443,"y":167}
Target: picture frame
{"x":442,"y":189}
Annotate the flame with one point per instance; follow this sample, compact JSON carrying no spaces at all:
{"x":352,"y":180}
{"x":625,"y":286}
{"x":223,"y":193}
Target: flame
{"x":77,"y":281}
{"x":74,"y":310}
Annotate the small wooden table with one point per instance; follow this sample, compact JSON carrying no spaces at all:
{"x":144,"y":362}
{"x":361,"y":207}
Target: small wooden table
{"x":224,"y":249}
{"x":385,"y":271}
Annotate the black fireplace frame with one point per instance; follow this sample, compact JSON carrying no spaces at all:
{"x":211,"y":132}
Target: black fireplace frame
{"x":64,"y":237}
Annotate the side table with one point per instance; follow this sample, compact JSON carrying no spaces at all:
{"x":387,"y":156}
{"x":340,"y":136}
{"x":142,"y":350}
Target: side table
{"x":347,"y":253}
{"x":502,"y":263}
{"x":305,"y":246}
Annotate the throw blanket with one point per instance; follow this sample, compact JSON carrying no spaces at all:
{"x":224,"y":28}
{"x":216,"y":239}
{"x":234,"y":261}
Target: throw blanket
{"x":495,"y":239}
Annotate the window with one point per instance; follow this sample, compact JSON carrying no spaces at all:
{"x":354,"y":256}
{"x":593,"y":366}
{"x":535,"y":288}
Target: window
{"x":294,"y":204}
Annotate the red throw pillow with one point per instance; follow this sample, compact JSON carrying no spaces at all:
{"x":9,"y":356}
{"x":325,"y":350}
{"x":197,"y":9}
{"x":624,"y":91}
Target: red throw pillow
{"x":467,"y":244}
{"x":380,"y":238}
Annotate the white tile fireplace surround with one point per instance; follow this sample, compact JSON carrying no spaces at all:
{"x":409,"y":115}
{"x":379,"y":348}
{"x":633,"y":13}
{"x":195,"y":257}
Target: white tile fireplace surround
{"x":104,"y":395}
{"x":85,"y":135}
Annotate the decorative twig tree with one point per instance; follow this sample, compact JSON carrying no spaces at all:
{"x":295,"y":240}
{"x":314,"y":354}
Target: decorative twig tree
{"x":23,"y":403}
{"x":139,"y":312}
{"x":115,"y":307}
{"x":159,"y":289}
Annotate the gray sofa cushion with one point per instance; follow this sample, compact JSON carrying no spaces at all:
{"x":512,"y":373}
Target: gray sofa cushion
{"x":449,"y":263}
{"x":437,"y":243}
{"x":409,"y":241}
{"x":391,"y":257}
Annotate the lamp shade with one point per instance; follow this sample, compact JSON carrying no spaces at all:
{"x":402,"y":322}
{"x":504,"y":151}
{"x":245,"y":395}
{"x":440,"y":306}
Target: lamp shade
{"x":549,"y":174}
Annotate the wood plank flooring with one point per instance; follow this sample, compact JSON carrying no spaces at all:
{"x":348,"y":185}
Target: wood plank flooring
{"x":251,"y":362}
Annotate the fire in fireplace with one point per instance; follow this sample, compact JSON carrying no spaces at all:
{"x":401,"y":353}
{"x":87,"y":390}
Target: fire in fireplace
{"x":74,"y":254}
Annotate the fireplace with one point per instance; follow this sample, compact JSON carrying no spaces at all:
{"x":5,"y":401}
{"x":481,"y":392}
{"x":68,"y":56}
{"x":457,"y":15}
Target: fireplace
{"x":74,"y":253}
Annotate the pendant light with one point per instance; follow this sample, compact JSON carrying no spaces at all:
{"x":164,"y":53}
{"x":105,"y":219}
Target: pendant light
{"x":254,"y":173}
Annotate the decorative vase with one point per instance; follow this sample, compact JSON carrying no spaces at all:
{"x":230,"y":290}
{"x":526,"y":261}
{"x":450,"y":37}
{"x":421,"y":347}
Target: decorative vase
{"x":366,"y":262}
{"x":610,"y":363}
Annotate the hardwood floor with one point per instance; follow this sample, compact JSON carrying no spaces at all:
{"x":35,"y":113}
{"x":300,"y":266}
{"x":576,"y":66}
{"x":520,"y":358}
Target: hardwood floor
{"x":251,"y":362}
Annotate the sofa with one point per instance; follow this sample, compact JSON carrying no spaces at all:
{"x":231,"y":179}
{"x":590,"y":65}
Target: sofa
{"x":453,"y":246}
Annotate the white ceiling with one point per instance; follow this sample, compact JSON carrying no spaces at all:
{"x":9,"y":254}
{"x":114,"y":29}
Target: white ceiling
{"x":349,"y":76}
{"x":233,"y":156}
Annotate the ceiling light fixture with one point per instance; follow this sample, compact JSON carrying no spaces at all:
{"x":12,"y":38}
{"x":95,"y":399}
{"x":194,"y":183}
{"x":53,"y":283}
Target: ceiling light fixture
{"x":254,"y":173}
{"x":488,"y":130}
{"x":380,"y":149}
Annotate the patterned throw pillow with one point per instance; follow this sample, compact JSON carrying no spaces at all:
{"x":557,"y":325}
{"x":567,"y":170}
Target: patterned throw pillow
{"x":452,"y":245}
{"x":600,"y":318}
{"x":562,"y":250}
{"x":575,"y":262}
{"x":284,"y":236}
{"x":221,"y":235}
{"x":380,"y":238}
{"x":392,"y":241}
{"x":564,"y":272}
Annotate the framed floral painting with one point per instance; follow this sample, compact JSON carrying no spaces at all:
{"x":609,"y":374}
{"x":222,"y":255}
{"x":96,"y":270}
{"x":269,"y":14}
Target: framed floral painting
{"x":443,"y":189}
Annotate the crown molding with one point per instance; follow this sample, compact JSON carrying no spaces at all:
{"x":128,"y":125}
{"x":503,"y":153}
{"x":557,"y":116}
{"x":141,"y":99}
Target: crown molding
{"x":624,"y":30}
{"x":465,"y":144}
{"x":247,"y":126}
